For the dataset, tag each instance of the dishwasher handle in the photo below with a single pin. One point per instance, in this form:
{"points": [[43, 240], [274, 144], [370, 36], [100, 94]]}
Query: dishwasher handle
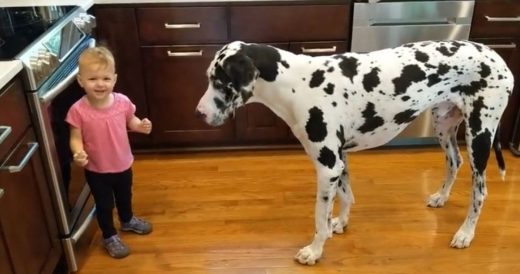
{"points": [[400, 22]]}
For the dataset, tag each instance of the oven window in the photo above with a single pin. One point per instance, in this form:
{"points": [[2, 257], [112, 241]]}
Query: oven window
{"points": [[61, 43]]}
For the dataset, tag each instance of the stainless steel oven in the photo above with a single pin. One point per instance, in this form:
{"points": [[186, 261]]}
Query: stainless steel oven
{"points": [[379, 24], [54, 37]]}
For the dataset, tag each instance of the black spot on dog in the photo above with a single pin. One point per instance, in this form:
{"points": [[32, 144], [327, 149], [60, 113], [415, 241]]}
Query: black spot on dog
{"points": [[334, 104], [327, 157], [331, 69], [316, 127], [348, 66], [372, 121], [421, 56], [405, 116], [481, 146], [470, 89], [371, 80], [340, 133], [475, 121], [317, 78], [443, 69], [410, 74], [405, 98], [447, 52], [433, 79], [219, 104], [329, 89], [485, 71], [285, 64]]}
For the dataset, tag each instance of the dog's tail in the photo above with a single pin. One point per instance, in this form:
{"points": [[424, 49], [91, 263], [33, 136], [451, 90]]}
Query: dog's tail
{"points": [[498, 154]]}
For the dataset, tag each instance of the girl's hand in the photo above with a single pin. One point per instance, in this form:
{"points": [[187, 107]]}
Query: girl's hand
{"points": [[81, 158], [145, 126]]}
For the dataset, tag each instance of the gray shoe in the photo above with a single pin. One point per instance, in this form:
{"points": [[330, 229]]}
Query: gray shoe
{"points": [[137, 225], [115, 247]]}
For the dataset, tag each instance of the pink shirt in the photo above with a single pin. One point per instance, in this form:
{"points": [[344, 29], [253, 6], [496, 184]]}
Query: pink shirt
{"points": [[104, 132]]}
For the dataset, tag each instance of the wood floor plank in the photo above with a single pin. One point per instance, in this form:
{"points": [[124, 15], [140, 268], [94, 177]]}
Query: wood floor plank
{"points": [[250, 211]]}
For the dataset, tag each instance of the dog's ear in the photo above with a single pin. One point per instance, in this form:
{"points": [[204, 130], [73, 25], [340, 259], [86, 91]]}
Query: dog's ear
{"points": [[240, 69]]}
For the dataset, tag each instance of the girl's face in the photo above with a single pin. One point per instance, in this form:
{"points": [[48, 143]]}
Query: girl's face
{"points": [[98, 81]]}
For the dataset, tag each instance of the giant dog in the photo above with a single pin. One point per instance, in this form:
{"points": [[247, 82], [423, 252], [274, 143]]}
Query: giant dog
{"points": [[351, 102]]}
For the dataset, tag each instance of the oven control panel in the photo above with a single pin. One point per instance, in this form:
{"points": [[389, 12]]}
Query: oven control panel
{"points": [[46, 54]]}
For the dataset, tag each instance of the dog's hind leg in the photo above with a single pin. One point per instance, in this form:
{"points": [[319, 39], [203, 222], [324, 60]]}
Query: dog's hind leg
{"points": [[446, 120], [329, 167], [481, 125], [346, 199]]}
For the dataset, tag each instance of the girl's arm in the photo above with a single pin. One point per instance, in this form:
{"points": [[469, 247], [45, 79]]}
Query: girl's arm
{"points": [[138, 125], [76, 146]]}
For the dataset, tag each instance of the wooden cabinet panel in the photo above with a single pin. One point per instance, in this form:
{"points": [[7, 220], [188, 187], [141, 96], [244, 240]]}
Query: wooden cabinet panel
{"points": [[15, 114], [289, 23], [117, 29], [5, 264], [182, 25], [176, 79], [496, 19], [30, 232]]}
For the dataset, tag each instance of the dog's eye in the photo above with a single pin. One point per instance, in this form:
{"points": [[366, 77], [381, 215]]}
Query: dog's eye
{"points": [[218, 85]]}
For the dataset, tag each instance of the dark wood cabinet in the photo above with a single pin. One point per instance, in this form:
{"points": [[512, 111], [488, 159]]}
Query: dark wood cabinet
{"points": [[175, 81], [170, 47], [5, 264], [30, 242], [117, 29], [496, 24]]}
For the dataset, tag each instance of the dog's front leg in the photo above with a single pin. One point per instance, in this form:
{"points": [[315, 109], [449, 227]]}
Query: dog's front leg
{"points": [[327, 179]]}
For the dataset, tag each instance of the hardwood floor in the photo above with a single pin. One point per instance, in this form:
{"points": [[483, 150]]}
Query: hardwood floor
{"points": [[250, 212]]}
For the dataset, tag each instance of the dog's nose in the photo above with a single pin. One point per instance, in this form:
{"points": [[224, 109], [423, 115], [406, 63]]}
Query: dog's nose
{"points": [[199, 114]]}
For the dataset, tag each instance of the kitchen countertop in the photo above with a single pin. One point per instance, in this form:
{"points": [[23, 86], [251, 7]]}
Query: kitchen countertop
{"points": [[8, 70]]}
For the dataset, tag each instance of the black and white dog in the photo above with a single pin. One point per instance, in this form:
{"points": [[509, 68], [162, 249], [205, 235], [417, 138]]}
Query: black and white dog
{"points": [[351, 102]]}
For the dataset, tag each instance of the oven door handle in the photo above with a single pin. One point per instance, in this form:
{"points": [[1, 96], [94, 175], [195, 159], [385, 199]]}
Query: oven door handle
{"points": [[48, 96], [23, 162]]}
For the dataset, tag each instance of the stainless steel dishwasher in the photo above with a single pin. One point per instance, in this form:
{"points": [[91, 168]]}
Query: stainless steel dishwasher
{"points": [[379, 24]]}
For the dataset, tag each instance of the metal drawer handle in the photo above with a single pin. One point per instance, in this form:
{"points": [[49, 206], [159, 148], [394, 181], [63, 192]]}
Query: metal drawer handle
{"points": [[4, 132], [502, 46], [319, 50], [23, 162], [502, 19], [184, 54], [1, 192], [182, 26]]}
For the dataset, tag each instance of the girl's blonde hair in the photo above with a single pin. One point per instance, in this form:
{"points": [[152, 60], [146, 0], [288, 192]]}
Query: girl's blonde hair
{"points": [[97, 55]]}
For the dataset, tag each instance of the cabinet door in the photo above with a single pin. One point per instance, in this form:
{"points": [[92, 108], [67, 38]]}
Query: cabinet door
{"points": [[117, 28], [26, 214], [510, 52], [5, 263], [175, 81]]}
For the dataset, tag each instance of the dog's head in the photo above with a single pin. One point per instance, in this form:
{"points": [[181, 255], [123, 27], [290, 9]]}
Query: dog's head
{"points": [[231, 75]]}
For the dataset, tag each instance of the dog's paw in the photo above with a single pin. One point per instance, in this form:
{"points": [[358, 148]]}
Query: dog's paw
{"points": [[308, 256], [338, 226], [437, 200], [462, 239]]}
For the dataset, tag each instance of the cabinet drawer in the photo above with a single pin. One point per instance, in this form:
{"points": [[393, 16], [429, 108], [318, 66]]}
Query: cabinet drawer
{"points": [[289, 23], [492, 19], [14, 116], [182, 25]]}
